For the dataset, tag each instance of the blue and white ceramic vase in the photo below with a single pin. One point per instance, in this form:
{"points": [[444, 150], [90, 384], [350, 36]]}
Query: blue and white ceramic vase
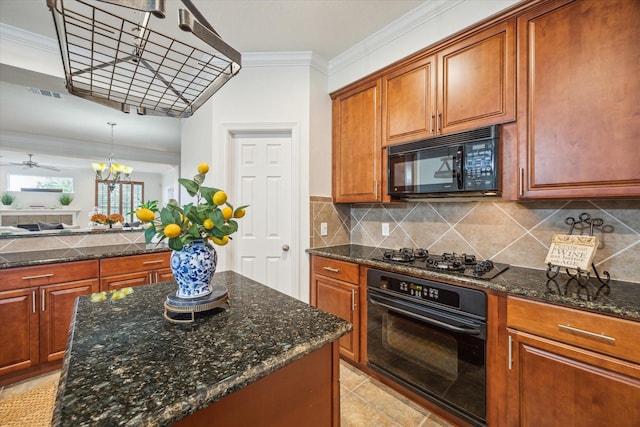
{"points": [[193, 269]]}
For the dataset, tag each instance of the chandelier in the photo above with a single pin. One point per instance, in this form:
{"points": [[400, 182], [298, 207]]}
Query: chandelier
{"points": [[116, 172]]}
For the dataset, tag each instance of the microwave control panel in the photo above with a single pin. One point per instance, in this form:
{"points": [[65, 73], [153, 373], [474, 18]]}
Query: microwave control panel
{"points": [[480, 166]]}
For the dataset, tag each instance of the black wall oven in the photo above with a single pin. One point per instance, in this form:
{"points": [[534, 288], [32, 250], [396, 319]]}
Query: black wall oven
{"points": [[431, 338]]}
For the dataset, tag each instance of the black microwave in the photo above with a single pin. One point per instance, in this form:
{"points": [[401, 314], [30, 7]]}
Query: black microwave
{"points": [[458, 164]]}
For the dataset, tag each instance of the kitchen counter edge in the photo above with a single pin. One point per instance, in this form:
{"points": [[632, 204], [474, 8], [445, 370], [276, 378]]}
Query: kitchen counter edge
{"points": [[623, 301]]}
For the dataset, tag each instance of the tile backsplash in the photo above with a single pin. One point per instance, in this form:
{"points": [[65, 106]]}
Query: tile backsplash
{"points": [[516, 233]]}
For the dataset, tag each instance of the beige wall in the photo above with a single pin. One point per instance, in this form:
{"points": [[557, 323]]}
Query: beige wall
{"points": [[509, 232]]}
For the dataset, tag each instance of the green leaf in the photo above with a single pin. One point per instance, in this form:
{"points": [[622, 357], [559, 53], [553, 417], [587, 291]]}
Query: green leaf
{"points": [[167, 216], [176, 244], [149, 234], [189, 185], [199, 178], [207, 194]]}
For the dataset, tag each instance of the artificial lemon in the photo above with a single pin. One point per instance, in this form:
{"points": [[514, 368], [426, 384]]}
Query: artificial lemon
{"points": [[227, 213], [208, 224], [127, 291], [239, 213], [220, 242], [145, 215], [203, 168], [172, 231], [117, 294], [220, 198], [98, 297]]}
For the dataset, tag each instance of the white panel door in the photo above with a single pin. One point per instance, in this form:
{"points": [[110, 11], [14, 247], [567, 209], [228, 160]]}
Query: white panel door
{"points": [[263, 181]]}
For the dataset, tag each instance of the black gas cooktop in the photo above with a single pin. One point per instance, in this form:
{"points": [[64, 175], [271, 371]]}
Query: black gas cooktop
{"points": [[451, 262]]}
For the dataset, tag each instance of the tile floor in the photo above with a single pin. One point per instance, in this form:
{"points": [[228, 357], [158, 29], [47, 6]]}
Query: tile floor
{"points": [[364, 401]]}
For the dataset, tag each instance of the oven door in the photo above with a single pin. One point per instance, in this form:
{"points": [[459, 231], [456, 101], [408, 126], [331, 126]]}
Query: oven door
{"points": [[435, 353]]}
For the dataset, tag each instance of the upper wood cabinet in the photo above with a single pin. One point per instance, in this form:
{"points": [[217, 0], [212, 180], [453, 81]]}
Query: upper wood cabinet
{"points": [[408, 107], [468, 84], [356, 147], [578, 100]]}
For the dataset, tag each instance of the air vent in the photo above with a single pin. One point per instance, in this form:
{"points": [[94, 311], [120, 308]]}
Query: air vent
{"points": [[45, 92]]}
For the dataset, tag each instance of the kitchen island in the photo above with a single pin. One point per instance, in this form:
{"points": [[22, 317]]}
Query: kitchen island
{"points": [[267, 360]]}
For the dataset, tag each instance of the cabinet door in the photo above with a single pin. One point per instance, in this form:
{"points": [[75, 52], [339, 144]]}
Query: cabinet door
{"points": [[553, 384], [357, 150], [341, 299], [19, 332], [476, 80], [408, 105], [578, 92], [126, 280], [56, 307], [163, 275]]}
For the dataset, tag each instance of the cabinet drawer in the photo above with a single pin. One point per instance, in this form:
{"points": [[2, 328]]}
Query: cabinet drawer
{"points": [[48, 274], [342, 270], [608, 335], [134, 263]]}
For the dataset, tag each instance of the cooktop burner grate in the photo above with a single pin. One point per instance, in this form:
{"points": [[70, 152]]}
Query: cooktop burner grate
{"points": [[450, 262]]}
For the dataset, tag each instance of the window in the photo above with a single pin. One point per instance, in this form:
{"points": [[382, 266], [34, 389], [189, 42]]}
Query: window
{"points": [[40, 183], [125, 197]]}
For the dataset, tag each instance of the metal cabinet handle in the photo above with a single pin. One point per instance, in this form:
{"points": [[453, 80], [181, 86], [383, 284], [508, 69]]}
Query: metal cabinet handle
{"points": [[353, 300], [510, 356], [42, 299], [587, 334], [39, 276], [155, 261], [439, 124], [433, 118], [33, 301], [331, 269], [521, 181]]}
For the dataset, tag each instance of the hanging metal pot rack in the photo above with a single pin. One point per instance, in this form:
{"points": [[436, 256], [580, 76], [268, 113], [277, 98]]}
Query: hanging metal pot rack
{"points": [[112, 56]]}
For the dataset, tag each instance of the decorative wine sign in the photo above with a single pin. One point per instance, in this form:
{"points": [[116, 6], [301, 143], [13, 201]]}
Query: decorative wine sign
{"points": [[572, 251]]}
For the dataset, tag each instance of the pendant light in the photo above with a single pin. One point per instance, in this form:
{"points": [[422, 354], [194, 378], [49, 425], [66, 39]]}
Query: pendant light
{"points": [[115, 172]]}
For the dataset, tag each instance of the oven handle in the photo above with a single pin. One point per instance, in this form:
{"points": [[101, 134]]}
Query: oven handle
{"points": [[466, 331]]}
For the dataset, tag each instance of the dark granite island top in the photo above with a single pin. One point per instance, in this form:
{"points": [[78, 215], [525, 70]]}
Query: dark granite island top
{"points": [[126, 365]]}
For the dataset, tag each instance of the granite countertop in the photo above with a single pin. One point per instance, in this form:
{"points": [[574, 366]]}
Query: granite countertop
{"points": [[27, 258], [623, 299], [127, 365]]}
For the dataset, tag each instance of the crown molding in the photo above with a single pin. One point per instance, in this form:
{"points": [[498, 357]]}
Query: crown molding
{"points": [[421, 15], [309, 59], [285, 59]]}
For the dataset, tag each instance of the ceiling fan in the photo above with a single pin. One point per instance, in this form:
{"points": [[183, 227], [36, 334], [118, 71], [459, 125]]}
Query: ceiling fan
{"points": [[31, 164]]}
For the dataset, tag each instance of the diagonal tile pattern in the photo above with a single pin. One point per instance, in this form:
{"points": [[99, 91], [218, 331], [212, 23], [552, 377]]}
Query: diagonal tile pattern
{"points": [[366, 402], [517, 233]]}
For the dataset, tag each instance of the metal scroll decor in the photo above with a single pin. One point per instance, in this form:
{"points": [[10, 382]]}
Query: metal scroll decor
{"points": [[581, 235]]}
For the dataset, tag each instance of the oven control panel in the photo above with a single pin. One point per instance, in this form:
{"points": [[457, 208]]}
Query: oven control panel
{"points": [[429, 292], [422, 291]]}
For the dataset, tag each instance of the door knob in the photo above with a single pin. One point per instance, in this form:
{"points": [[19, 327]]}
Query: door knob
{"points": [[285, 247]]}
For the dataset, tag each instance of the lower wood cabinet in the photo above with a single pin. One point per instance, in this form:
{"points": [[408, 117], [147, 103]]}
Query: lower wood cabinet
{"points": [[571, 368], [335, 288], [36, 307], [135, 270]]}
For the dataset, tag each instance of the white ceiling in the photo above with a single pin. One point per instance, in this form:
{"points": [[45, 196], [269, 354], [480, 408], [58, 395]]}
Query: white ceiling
{"points": [[78, 128]]}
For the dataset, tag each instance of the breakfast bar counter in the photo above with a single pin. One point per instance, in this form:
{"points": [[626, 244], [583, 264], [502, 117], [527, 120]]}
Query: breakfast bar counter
{"points": [[126, 365]]}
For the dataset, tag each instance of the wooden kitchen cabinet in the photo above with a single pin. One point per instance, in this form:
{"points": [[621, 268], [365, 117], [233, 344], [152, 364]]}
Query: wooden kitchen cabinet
{"points": [[578, 92], [135, 270], [356, 145], [36, 307], [571, 368], [466, 85], [408, 106], [335, 288], [20, 330]]}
